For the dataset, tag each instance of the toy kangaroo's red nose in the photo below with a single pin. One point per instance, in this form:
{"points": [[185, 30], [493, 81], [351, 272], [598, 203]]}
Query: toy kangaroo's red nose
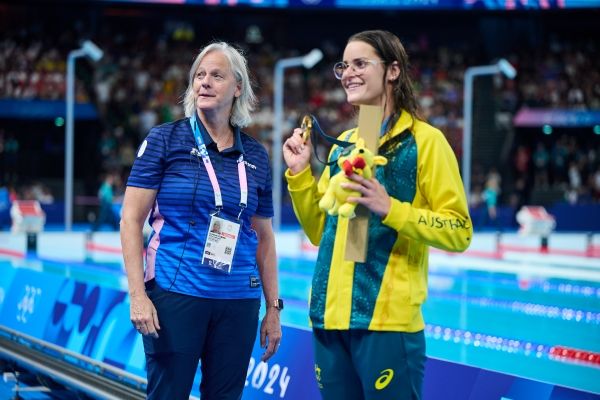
{"points": [[359, 162], [347, 167]]}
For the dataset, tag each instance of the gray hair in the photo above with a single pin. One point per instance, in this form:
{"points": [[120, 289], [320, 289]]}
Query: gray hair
{"points": [[244, 104]]}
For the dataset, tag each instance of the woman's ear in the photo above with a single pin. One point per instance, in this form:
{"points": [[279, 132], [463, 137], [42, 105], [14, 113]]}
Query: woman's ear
{"points": [[393, 71]]}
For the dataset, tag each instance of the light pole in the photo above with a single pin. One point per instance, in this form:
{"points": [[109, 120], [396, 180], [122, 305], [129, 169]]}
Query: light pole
{"points": [[509, 71], [92, 51], [501, 66], [307, 61]]}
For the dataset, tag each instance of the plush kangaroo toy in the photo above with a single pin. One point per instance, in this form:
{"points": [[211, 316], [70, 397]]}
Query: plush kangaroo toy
{"points": [[360, 161]]}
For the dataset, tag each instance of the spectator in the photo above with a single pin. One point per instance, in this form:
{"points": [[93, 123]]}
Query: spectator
{"points": [[106, 213], [490, 197], [541, 159]]}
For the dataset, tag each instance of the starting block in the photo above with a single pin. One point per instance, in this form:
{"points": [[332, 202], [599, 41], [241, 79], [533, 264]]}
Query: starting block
{"points": [[535, 220], [27, 216]]}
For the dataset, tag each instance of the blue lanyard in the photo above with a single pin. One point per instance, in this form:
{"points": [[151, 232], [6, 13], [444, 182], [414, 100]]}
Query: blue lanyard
{"points": [[384, 126]]}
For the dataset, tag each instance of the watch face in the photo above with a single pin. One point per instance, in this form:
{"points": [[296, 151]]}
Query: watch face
{"points": [[279, 304]]}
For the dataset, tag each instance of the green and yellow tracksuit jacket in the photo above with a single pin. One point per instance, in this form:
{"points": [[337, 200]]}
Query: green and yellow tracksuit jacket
{"points": [[428, 208]]}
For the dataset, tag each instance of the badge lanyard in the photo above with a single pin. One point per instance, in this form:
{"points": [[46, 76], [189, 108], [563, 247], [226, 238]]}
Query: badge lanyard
{"points": [[213, 176]]}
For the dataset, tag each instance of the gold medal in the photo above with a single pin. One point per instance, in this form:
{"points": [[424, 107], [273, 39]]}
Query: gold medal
{"points": [[306, 127]]}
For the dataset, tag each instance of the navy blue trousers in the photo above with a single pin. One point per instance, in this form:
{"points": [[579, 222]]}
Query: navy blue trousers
{"points": [[220, 333]]}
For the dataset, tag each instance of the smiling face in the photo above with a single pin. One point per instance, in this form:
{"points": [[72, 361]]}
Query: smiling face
{"points": [[366, 86], [215, 86]]}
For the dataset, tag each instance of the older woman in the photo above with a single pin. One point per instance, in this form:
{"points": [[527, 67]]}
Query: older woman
{"points": [[199, 296]]}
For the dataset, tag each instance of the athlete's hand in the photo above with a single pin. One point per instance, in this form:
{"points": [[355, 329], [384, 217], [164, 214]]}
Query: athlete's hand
{"points": [[296, 152], [143, 315], [270, 333], [374, 196]]}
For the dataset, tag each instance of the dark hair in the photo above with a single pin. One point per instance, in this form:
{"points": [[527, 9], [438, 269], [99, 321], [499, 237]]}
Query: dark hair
{"points": [[389, 48]]}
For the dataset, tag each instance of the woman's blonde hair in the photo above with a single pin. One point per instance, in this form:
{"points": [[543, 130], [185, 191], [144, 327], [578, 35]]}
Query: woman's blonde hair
{"points": [[242, 105]]}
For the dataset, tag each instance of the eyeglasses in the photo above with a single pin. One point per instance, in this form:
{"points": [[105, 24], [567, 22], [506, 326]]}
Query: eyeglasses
{"points": [[358, 65]]}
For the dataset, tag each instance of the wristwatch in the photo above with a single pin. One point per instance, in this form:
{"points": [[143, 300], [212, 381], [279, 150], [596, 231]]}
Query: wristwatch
{"points": [[277, 304]]}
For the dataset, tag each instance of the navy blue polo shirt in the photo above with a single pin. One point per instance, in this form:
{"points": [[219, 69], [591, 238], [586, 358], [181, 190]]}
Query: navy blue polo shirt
{"points": [[184, 202]]}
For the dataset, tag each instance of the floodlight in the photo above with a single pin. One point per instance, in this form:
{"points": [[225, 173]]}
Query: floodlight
{"points": [[91, 50], [507, 69], [310, 59], [501, 66], [88, 49], [307, 61]]}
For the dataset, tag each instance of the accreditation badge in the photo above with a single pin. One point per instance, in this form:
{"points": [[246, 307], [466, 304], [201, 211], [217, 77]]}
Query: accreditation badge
{"points": [[221, 241]]}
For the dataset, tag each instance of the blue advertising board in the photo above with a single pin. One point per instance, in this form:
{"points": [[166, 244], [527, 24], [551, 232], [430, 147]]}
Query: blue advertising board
{"points": [[289, 374], [94, 321]]}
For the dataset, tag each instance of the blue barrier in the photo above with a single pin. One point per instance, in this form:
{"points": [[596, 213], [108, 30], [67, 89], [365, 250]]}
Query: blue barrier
{"points": [[94, 321], [4, 208], [570, 218], [44, 109], [578, 217]]}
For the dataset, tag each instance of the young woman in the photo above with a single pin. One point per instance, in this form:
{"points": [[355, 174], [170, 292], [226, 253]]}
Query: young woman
{"points": [[366, 317]]}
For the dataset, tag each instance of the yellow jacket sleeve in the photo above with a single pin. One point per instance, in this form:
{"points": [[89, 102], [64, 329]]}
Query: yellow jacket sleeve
{"points": [[439, 214], [305, 194]]}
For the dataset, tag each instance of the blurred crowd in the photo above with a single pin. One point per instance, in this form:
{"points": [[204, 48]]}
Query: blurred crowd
{"points": [[135, 90]]}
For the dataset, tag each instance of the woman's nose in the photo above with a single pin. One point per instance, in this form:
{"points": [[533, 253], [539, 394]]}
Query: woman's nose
{"points": [[346, 71], [350, 70]]}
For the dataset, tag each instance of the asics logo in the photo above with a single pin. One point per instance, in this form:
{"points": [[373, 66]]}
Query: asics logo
{"points": [[384, 379]]}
